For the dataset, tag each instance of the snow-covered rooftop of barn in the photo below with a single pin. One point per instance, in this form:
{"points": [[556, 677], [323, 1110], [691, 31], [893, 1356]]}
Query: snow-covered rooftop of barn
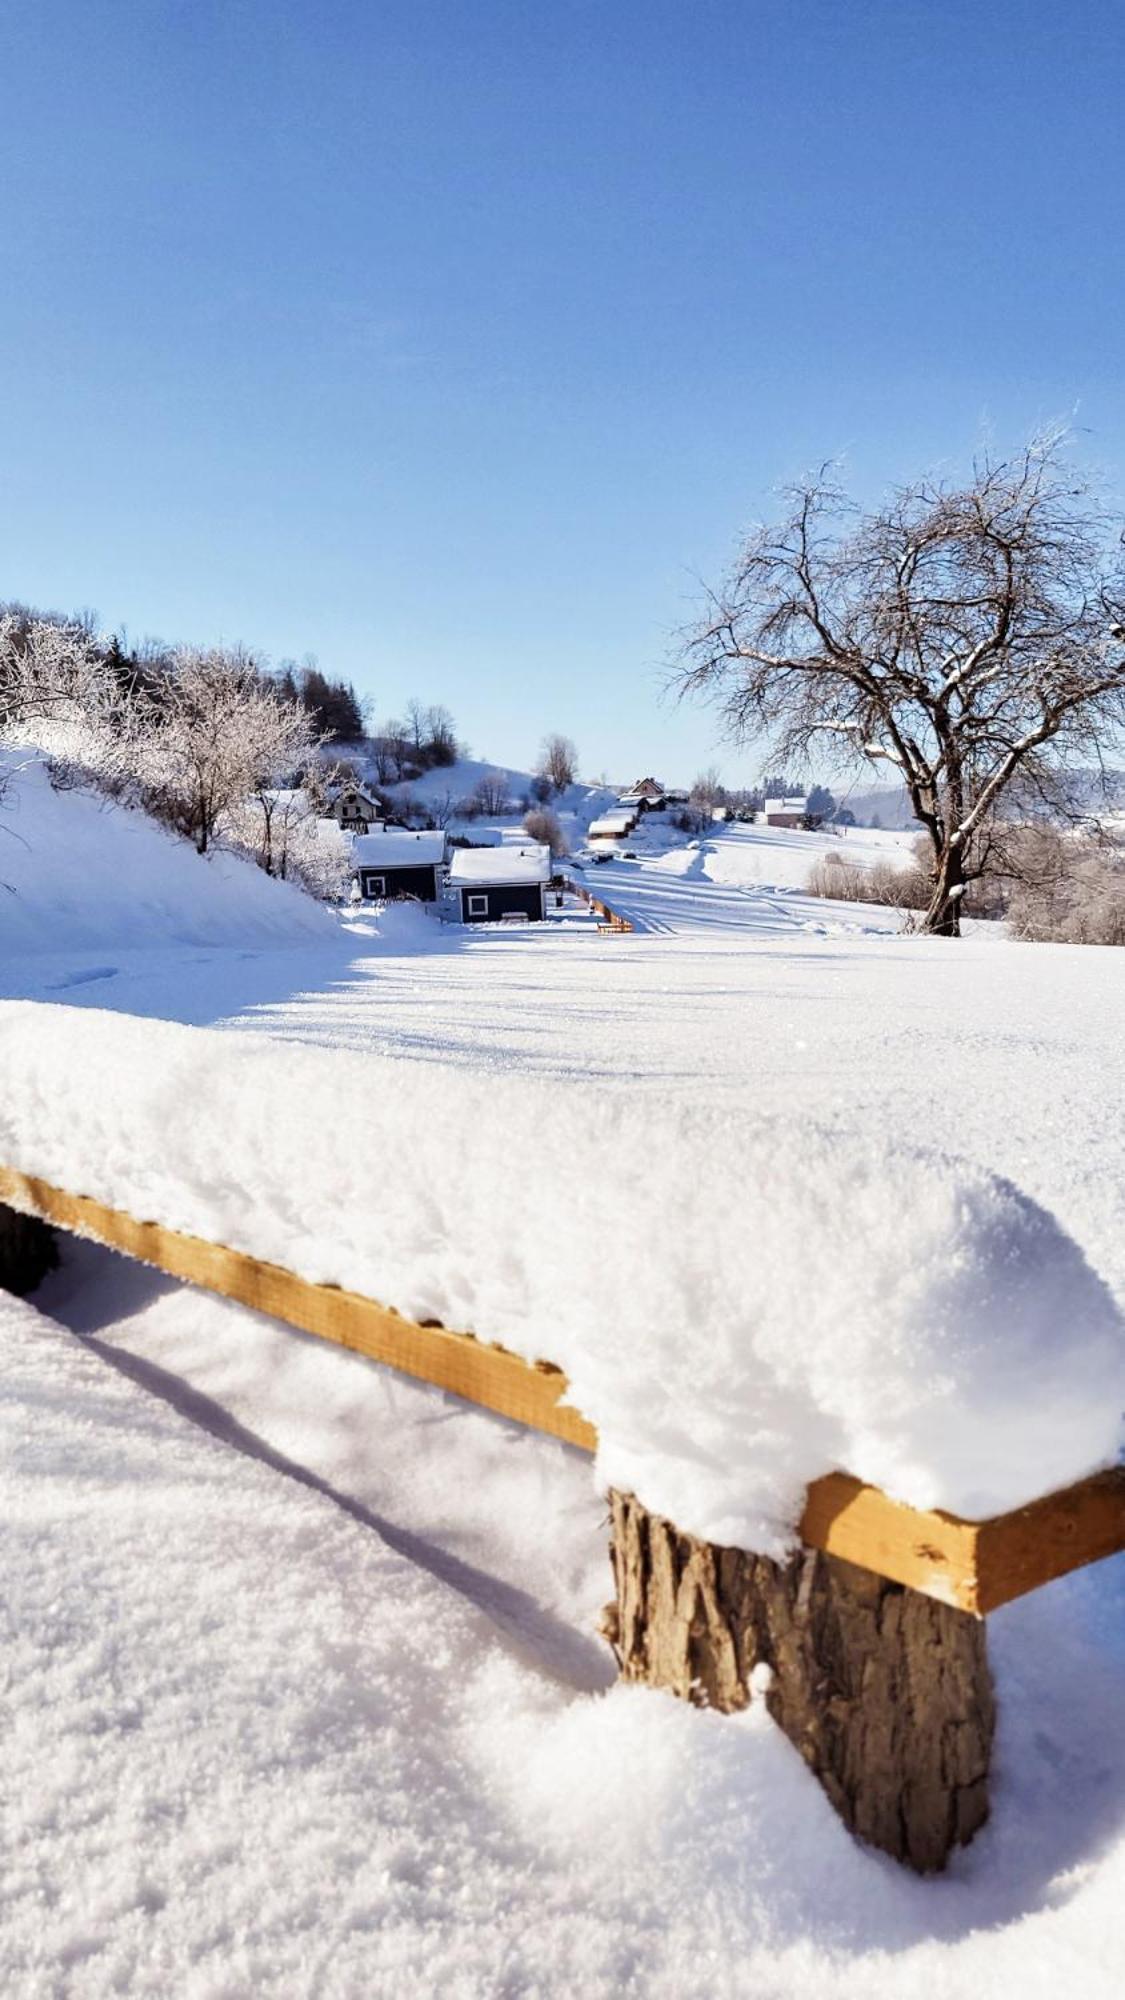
{"points": [[397, 847], [611, 824], [500, 864], [791, 805]]}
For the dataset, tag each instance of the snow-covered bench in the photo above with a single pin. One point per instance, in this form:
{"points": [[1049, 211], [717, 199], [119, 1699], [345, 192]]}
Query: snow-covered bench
{"points": [[940, 1338]]}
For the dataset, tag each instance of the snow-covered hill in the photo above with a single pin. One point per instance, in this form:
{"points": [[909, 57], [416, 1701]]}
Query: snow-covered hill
{"points": [[80, 873]]}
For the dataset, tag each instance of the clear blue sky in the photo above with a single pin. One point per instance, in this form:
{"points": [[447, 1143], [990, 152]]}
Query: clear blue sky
{"points": [[451, 340]]}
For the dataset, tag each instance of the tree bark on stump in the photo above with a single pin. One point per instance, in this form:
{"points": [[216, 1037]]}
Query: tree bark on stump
{"points": [[885, 1693], [27, 1251]]}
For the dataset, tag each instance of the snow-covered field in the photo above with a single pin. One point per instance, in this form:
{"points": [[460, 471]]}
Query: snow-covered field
{"points": [[306, 1697], [303, 1700]]}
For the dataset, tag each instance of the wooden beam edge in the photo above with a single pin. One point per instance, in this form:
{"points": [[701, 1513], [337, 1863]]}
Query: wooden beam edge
{"points": [[974, 1565], [1051, 1537]]}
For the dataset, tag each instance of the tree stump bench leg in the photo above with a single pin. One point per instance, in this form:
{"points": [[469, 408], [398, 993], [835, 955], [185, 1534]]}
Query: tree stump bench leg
{"points": [[885, 1693], [27, 1251]]}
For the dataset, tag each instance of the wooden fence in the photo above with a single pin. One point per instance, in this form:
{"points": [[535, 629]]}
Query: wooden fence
{"points": [[611, 920], [966, 1567]]}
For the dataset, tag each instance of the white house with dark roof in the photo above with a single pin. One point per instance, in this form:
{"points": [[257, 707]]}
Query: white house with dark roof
{"points": [[489, 884], [356, 811], [392, 862]]}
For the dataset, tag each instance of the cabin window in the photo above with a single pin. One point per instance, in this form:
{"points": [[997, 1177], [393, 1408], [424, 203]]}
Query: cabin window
{"points": [[478, 906], [376, 885]]}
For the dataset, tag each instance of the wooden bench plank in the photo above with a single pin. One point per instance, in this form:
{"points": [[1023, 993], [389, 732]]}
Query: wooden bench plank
{"points": [[467, 1367], [973, 1565]]}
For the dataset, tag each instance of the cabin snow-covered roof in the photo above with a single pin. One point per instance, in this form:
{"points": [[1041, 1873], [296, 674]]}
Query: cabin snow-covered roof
{"points": [[398, 847], [791, 805], [290, 804], [344, 794], [611, 824], [500, 865]]}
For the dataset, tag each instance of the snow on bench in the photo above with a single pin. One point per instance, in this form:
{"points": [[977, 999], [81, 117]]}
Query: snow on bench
{"points": [[804, 1309]]}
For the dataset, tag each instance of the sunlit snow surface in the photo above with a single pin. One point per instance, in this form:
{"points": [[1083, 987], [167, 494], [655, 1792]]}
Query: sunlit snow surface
{"points": [[302, 1699], [352, 1737]]}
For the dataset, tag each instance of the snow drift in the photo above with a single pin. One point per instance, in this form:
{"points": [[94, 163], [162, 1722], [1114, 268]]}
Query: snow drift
{"points": [[736, 1327], [77, 871], [251, 1746]]}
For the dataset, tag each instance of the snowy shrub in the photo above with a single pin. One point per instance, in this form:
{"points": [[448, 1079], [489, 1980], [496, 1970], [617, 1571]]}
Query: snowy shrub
{"points": [[545, 827], [847, 882], [1065, 888]]}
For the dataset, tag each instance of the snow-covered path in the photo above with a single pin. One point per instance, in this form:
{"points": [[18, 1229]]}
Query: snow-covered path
{"points": [[742, 881]]}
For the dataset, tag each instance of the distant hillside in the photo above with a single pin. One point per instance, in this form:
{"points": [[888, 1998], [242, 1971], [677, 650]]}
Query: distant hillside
{"points": [[879, 805], [888, 805], [460, 781], [78, 872]]}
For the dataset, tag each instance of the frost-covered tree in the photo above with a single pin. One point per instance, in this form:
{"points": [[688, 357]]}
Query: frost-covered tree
{"points": [[220, 734], [60, 691], [968, 636], [51, 670]]}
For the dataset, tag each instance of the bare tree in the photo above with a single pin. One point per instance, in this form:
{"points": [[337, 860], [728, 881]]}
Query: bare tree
{"points": [[490, 793], [443, 807], [391, 751], [441, 736], [967, 636], [558, 762], [706, 793], [415, 726]]}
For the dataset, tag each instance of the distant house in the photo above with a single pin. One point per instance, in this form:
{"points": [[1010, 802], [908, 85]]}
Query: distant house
{"points": [[613, 825], [394, 862], [491, 883], [647, 795], [355, 811], [785, 812]]}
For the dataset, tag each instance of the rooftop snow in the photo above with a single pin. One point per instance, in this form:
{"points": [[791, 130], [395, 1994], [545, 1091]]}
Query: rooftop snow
{"points": [[506, 865], [611, 824], [397, 847]]}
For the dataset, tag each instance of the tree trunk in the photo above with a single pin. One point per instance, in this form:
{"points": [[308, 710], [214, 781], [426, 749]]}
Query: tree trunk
{"points": [[27, 1251], [885, 1693], [943, 917]]}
